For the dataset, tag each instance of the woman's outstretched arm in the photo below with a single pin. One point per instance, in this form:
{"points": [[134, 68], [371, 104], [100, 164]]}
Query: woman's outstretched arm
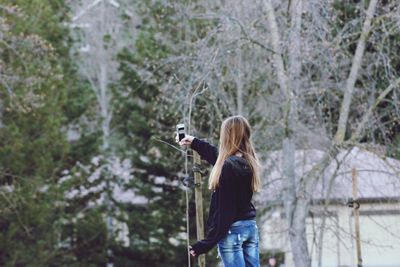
{"points": [[206, 150]]}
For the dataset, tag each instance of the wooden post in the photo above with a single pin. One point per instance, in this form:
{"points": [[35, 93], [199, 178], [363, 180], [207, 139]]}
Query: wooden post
{"points": [[199, 204], [356, 207]]}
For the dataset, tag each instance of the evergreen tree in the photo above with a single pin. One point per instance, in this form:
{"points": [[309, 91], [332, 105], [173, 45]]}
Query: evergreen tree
{"points": [[38, 102]]}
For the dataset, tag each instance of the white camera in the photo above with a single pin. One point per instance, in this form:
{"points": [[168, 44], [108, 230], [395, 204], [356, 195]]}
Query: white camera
{"points": [[180, 129]]}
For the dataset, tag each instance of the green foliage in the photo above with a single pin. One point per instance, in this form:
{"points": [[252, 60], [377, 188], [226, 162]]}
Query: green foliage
{"points": [[30, 225], [156, 222], [91, 237], [31, 143], [39, 98]]}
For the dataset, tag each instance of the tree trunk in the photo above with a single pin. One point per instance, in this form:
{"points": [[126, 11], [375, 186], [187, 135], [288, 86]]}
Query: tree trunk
{"points": [[351, 80], [300, 206], [103, 84], [297, 234]]}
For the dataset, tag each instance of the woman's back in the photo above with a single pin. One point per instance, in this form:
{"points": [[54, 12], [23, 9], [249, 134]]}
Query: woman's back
{"points": [[233, 179], [244, 193]]}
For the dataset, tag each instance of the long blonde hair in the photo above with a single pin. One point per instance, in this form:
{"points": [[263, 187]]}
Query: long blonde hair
{"points": [[235, 137]]}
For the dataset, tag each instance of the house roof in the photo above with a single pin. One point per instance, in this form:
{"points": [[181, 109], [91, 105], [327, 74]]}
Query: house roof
{"points": [[378, 177]]}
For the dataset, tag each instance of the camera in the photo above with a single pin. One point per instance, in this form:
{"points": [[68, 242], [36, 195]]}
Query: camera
{"points": [[180, 129]]}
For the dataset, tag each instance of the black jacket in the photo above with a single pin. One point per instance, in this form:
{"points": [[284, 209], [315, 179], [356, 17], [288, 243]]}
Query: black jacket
{"points": [[231, 201]]}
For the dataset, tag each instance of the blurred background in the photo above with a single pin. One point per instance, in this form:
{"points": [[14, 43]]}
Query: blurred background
{"points": [[91, 92]]}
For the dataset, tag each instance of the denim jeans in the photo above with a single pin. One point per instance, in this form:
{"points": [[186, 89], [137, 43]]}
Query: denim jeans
{"points": [[239, 248]]}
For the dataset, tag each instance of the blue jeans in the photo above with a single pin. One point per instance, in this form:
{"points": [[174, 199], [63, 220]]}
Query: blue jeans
{"points": [[239, 248]]}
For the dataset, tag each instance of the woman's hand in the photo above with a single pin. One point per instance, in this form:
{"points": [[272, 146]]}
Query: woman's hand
{"points": [[192, 251], [187, 140]]}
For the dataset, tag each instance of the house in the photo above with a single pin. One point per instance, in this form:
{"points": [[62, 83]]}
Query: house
{"points": [[331, 223]]}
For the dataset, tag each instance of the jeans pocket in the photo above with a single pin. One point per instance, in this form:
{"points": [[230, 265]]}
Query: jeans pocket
{"points": [[230, 240]]}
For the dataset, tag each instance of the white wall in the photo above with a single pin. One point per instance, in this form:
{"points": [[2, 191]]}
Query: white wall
{"points": [[380, 235]]}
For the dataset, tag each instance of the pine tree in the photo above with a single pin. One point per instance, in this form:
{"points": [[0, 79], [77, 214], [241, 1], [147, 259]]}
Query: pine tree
{"points": [[37, 105]]}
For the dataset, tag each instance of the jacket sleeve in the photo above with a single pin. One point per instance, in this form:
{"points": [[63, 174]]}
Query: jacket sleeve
{"points": [[206, 150], [226, 211]]}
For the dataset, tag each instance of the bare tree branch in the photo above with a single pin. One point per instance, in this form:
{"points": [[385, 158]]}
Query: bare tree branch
{"points": [[357, 134], [345, 108]]}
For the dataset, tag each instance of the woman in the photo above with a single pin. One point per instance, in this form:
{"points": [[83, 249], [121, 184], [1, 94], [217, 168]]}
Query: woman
{"points": [[235, 176]]}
